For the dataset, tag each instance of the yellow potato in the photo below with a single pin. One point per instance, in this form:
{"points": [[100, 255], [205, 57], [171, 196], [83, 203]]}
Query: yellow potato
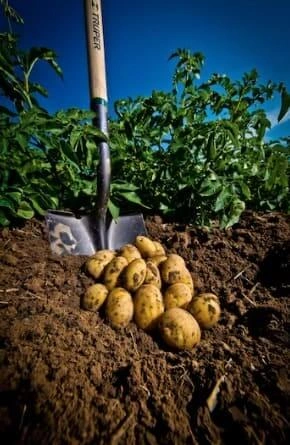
{"points": [[177, 258], [113, 271], [148, 306], [96, 264], [177, 295], [145, 246], [158, 259], [130, 252], [206, 309], [152, 274], [134, 274], [94, 297], [119, 307], [172, 269], [104, 255], [186, 278], [179, 329], [159, 248]]}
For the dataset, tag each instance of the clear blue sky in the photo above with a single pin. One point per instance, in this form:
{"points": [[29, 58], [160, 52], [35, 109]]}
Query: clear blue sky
{"points": [[234, 36]]}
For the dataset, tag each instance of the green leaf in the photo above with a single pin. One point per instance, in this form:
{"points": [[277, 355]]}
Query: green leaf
{"points": [[210, 186], [245, 190], [133, 197], [75, 137], [285, 104], [25, 210], [114, 210], [4, 221], [37, 88], [223, 199], [38, 203], [236, 209], [41, 53], [123, 186], [69, 155], [7, 203], [15, 196], [90, 152]]}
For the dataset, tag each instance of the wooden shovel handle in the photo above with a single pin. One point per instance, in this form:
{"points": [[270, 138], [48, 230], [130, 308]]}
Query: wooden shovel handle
{"points": [[96, 51]]}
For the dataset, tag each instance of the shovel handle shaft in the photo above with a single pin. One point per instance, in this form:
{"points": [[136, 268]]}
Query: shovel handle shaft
{"points": [[103, 177], [96, 50], [98, 90]]}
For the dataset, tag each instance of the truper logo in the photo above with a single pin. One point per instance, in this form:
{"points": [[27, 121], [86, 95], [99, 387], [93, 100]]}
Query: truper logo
{"points": [[96, 26]]}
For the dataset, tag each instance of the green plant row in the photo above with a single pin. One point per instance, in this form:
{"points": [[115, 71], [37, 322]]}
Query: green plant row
{"points": [[197, 151]]}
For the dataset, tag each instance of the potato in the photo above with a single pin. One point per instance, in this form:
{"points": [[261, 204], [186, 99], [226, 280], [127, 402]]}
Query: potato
{"points": [[177, 258], [177, 295], [94, 297], [179, 329], [152, 274], [145, 246], [206, 309], [159, 248], [130, 252], [134, 274], [104, 255], [119, 307], [172, 269], [148, 306], [113, 271], [96, 264], [186, 278], [158, 259]]}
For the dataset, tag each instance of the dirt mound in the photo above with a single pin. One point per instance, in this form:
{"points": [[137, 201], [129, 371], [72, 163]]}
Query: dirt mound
{"points": [[67, 377]]}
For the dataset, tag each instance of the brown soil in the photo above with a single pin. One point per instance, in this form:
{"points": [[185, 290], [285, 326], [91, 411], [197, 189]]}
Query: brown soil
{"points": [[67, 377]]}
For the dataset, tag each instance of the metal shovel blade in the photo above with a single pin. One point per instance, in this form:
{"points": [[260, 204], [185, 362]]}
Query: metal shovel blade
{"points": [[71, 235]]}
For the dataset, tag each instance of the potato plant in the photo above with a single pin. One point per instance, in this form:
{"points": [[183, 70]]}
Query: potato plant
{"points": [[198, 150], [140, 282]]}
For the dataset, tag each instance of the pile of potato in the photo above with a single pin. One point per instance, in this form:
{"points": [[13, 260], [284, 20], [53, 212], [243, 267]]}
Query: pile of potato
{"points": [[143, 283]]}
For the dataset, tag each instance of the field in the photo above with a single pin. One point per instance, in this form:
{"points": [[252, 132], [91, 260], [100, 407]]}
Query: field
{"points": [[67, 377]]}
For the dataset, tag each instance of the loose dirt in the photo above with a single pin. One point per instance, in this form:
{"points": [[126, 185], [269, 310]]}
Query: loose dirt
{"points": [[67, 377]]}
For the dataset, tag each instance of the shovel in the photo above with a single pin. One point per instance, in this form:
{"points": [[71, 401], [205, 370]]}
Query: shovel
{"points": [[68, 233]]}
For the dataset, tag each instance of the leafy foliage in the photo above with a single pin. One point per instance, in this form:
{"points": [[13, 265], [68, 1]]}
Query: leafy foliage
{"points": [[197, 152], [46, 161]]}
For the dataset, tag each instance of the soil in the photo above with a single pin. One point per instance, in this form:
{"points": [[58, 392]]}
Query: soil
{"points": [[68, 377]]}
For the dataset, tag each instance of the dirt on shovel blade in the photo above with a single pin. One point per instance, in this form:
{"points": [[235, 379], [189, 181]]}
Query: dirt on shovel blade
{"points": [[68, 377]]}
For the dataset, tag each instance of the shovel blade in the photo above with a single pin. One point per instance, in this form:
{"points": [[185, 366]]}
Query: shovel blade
{"points": [[72, 235], [124, 230]]}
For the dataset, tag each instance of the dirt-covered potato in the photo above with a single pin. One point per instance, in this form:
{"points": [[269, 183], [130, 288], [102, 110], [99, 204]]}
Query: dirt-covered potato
{"points": [[104, 255], [130, 252], [159, 248], [113, 271], [134, 274], [94, 297], [172, 269], [186, 278], [206, 309], [152, 274], [96, 264], [158, 259], [145, 246], [177, 258], [148, 306], [119, 307], [177, 295], [179, 329]]}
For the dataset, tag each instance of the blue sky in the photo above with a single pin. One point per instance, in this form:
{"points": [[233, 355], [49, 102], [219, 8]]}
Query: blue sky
{"points": [[234, 36]]}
